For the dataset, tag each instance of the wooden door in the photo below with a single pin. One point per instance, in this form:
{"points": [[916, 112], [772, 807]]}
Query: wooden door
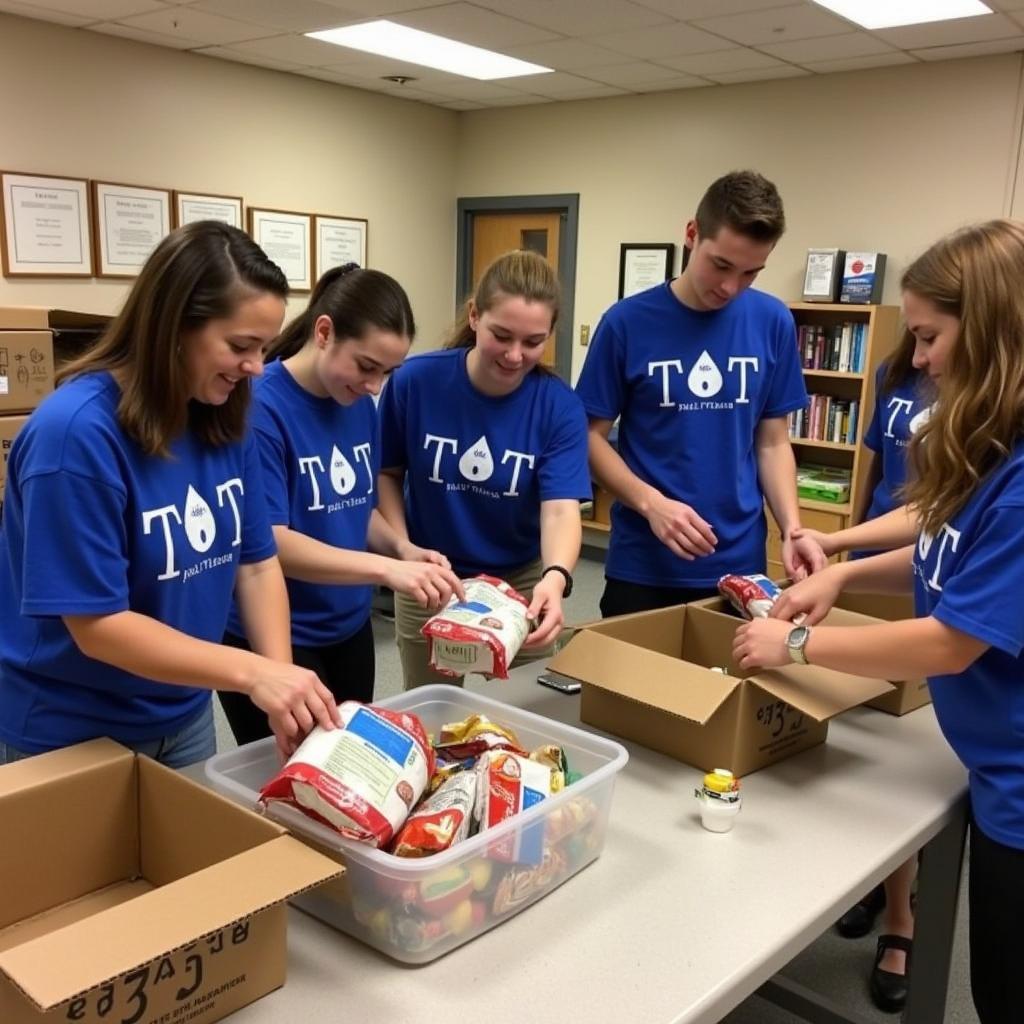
{"points": [[497, 233]]}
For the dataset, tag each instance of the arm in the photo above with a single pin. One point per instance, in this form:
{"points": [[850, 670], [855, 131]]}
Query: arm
{"points": [[674, 523], [896, 529], [776, 470], [871, 480], [391, 500], [561, 534], [889, 650]]}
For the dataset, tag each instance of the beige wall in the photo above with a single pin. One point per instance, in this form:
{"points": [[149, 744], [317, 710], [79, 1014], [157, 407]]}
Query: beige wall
{"points": [[886, 159], [85, 104]]}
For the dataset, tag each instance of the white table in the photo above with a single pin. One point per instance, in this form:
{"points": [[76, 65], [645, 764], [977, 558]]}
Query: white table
{"points": [[673, 923]]}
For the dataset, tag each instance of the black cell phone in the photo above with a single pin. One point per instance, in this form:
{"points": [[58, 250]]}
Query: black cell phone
{"points": [[564, 684]]}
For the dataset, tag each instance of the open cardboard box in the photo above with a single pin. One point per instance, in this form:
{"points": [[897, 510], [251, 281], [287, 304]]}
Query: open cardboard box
{"points": [[133, 894], [648, 677]]}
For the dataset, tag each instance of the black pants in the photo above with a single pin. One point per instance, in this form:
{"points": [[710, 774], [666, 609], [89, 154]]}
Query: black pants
{"points": [[621, 598], [996, 896], [345, 668]]}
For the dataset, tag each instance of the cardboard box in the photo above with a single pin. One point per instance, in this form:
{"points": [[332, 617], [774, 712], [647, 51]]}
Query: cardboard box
{"points": [[648, 677], [9, 427], [33, 340], [131, 893]]}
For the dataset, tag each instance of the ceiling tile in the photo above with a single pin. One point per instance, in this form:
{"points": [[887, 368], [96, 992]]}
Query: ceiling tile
{"points": [[628, 75], [521, 100], [779, 25], [679, 82], [950, 33], [95, 10], [203, 29], [141, 35], [380, 8], [849, 44], [293, 16], [462, 105], [757, 74], [738, 58], [482, 92], [1012, 44], [659, 41], [565, 15], [369, 66], [470, 24], [42, 14], [556, 84], [687, 10], [878, 60], [300, 50], [254, 59], [595, 92], [566, 54]]}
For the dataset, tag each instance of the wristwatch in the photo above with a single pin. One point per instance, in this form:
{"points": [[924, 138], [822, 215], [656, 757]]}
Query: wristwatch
{"points": [[796, 641], [565, 572]]}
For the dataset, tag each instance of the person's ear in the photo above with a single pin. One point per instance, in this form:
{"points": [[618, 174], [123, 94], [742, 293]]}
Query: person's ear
{"points": [[323, 331]]}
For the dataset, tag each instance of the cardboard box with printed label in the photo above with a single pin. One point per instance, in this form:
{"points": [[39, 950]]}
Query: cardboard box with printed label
{"points": [[648, 677], [32, 341], [131, 893]]}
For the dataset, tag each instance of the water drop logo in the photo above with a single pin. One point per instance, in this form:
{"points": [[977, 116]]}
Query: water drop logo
{"points": [[200, 526], [705, 379], [477, 463], [343, 476], [920, 420]]}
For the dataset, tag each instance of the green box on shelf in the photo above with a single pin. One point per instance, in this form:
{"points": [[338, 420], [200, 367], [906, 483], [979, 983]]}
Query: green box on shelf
{"points": [[823, 483]]}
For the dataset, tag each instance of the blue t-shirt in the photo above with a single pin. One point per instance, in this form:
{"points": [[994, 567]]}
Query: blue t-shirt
{"points": [[896, 417], [968, 576], [320, 462], [93, 526], [690, 389], [478, 467]]}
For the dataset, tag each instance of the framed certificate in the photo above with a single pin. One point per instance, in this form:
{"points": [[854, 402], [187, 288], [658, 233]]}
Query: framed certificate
{"points": [[129, 223], [821, 274], [193, 206], [339, 240], [642, 265], [45, 221], [287, 239]]}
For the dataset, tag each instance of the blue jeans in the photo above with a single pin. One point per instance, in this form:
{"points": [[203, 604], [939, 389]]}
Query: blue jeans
{"points": [[196, 741]]}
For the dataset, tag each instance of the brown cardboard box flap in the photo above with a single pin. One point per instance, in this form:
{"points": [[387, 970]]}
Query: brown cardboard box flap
{"points": [[819, 692], [47, 768], [57, 967], [646, 677], [42, 318]]}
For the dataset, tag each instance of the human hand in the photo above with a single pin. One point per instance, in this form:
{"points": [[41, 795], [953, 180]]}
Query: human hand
{"points": [[430, 583], [802, 555], [294, 700], [679, 527], [761, 644], [546, 609], [812, 597]]}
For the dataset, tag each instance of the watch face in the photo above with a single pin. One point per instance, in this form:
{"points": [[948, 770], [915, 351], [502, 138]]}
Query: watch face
{"points": [[797, 636]]}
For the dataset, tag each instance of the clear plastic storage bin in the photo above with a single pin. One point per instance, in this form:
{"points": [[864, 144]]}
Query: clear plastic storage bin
{"points": [[416, 910]]}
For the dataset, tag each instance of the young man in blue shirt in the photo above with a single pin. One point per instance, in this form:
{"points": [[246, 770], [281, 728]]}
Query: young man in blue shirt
{"points": [[701, 373]]}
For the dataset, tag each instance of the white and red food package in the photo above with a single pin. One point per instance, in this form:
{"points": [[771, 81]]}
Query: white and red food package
{"points": [[361, 779], [482, 634], [507, 784], [752, 596], [442, 820]]}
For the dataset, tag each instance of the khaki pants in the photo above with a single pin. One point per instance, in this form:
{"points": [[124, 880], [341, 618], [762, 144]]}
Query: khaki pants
{"points": [[412, 646]]}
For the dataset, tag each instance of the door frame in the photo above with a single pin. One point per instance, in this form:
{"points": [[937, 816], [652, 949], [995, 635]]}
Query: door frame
{"points": [[567, 206]]}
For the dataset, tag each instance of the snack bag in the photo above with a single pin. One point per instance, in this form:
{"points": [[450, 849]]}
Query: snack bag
{"points": [[362, 779], [442, 820], [481, 634], [752, 596], [473, 736], [510, 783]]}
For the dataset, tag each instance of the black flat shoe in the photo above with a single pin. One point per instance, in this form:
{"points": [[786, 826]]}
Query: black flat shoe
{"points": [[888, 989], [860, 918]]}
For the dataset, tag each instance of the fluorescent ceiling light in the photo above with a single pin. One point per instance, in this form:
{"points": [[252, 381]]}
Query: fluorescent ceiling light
{"points": [[389, 39], [892, 13]]}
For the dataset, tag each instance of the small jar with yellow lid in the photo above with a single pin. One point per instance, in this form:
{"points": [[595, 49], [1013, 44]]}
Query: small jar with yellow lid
{"points": [[719, 800]]}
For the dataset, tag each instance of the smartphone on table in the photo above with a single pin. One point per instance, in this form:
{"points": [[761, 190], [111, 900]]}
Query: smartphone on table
{"points": [[564, 684]]}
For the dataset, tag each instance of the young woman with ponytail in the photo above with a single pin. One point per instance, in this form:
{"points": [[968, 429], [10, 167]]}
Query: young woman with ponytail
{"points": [[485, 454], [964, 304], [318, 436]]}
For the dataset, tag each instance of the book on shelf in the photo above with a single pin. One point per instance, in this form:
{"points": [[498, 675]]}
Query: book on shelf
{"points": [[839, 347], [823, 483], [826, 418]]}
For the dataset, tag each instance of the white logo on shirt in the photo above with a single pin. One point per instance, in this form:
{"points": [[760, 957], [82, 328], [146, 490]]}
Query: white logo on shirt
{"points": [[920, 419], [897, 405], [198, 521], [476, 464], [949, 537], [704, 380], [341, 473]]}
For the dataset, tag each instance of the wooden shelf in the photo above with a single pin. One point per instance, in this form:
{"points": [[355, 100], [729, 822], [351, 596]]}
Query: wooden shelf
{"points": [[834, 374], [839, 508], [590, 524], [834, 445], [831, 307]]}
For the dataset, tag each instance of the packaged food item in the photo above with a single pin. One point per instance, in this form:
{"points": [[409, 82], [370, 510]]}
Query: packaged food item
{"points": [[361, 779], [441, 820], [720, 800], [482, 634], [509, 783], [523, 884], [554, 757], [752, 596], [473, 736]]}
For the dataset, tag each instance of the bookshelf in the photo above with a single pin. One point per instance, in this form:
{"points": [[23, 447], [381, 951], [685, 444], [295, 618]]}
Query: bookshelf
{"points": [[873, 332]]}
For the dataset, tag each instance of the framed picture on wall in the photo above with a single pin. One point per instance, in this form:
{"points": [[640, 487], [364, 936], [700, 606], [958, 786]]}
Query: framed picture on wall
{"points": [[129, 221], [339, 240], [642, 265], [287, 238], [193, 206], [45, 226]]}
